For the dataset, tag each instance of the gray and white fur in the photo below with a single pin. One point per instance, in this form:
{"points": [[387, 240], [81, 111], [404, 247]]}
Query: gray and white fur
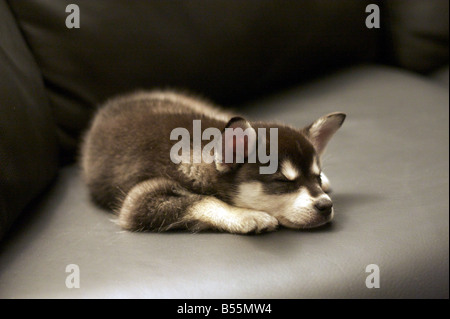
{"points": [[127, 168]]}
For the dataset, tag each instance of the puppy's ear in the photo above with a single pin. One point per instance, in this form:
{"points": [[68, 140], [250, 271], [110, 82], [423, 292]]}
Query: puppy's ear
{"points": [[238, 142], [321, 131]]}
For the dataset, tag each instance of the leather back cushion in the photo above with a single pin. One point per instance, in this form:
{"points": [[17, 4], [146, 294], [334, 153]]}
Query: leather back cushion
{"points": [[419, 33], [226, 50], [28, 147]]}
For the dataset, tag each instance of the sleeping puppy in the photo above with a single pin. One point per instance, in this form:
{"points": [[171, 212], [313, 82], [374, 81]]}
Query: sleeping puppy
{"points": [[146, 157]]}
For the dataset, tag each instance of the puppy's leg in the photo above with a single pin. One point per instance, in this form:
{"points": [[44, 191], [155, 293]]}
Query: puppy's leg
{"points": [[210, 212], [162, 204]]}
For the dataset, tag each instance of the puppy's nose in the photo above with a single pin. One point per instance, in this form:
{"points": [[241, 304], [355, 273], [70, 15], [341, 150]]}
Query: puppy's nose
{"points": [[324, 206]]}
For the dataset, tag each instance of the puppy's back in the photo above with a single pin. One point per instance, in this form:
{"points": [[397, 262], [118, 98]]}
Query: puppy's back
{"points": [[129, 140]]}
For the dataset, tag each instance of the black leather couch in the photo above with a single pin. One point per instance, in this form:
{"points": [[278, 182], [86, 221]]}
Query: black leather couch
{"points": [[292, 61]]}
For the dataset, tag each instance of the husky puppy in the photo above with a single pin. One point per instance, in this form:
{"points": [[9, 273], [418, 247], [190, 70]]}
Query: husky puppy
{"points": [[125, 157]]}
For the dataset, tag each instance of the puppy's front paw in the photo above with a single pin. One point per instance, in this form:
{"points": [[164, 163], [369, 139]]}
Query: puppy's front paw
{"points": [[212, 213], [256, 222]]}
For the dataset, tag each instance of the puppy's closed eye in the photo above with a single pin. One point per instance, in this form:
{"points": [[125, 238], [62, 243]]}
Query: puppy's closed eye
{"points": [[282, 180]]}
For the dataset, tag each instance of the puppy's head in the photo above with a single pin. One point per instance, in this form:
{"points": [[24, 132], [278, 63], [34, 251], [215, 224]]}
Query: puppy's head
{"points": [[296, 193]]}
